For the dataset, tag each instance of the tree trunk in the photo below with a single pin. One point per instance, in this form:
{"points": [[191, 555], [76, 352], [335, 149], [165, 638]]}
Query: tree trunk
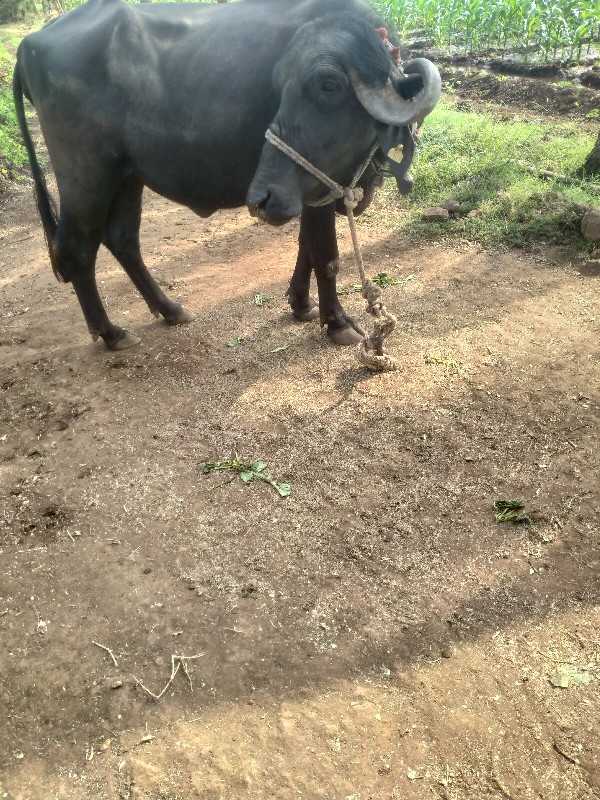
{"points": [[591, 166]]}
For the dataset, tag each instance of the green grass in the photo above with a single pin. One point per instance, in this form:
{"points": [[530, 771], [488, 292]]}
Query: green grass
{"points": [[482, 162], [13, 157]]}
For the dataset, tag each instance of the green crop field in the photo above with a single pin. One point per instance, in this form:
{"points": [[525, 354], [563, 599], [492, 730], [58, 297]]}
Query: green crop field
{"points": [[544, 30]]}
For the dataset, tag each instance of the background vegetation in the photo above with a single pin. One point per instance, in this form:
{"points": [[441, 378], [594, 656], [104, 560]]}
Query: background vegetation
{"points": [[491, 166], [540, 29], [479, 159]]}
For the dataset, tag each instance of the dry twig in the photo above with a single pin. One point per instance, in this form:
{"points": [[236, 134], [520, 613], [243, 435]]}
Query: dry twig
{"points": [[561, 752], [176, 663], [108, 650]]}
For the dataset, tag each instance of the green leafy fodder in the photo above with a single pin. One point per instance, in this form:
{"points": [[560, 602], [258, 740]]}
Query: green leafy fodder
{"points": [[247, 472]]}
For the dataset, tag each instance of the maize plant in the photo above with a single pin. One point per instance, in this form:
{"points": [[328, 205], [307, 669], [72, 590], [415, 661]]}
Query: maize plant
{"points": [[538, 30]]}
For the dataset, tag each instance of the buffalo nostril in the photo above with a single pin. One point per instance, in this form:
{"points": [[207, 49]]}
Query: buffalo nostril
{"points": [[257, 201]]}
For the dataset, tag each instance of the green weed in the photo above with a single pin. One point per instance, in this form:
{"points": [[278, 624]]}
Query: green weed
{"points": [[247, 471], [381, 279], [512, 511], [261, 299]]}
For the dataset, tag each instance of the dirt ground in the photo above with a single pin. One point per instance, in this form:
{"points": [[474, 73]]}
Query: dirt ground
{"points": [[377, 634], [549, 90]]}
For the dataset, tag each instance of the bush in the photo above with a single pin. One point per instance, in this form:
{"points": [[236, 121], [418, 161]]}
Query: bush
{"points": [[13, 157], [11, 10]]}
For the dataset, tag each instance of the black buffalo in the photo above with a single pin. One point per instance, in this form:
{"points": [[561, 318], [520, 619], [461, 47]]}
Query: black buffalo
{"points": [[178, 97]]}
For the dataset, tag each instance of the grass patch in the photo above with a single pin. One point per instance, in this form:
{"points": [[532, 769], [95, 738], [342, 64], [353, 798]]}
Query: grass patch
{"points": [[13, 158], [483, 162]]}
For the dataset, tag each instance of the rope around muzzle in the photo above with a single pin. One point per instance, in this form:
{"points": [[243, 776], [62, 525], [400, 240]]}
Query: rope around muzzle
{"points": [[370, 351]]}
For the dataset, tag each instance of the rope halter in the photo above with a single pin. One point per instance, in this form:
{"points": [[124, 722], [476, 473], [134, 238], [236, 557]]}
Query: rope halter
{"points": [[370, 350]]}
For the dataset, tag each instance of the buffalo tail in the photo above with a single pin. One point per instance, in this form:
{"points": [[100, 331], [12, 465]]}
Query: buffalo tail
{"points": [[45, 203]]}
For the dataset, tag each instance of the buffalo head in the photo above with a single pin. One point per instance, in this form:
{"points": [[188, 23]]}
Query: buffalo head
{"points": [[341, 94]]}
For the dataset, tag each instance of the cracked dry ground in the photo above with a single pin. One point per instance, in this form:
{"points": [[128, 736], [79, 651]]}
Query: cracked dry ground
{"points": [[375, 635]]}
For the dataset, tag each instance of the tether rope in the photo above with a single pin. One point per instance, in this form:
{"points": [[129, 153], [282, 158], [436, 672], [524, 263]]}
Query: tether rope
{"points": [[370, 350]]}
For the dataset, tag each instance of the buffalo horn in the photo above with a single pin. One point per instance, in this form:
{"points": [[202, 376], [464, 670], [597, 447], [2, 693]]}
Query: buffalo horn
{"points": [[387, 104]]}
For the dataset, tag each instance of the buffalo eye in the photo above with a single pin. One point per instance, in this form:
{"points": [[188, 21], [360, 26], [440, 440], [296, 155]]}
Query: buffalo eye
{"points": [[329, 86]]}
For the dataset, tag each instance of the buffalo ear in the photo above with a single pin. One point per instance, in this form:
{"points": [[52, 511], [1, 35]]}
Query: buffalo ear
{"points": [[388, 136], [409, 86], [393, 136]]}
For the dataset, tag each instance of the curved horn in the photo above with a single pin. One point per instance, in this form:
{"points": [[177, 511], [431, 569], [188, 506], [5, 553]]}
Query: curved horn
{"points": [[387, 104]]}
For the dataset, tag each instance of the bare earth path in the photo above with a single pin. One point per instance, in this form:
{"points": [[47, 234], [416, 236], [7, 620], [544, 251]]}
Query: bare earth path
{"points": [[375, 635]]}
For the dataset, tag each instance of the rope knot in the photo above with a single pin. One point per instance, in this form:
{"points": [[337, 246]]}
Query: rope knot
{"points": [[372, 294], [352, 196]]}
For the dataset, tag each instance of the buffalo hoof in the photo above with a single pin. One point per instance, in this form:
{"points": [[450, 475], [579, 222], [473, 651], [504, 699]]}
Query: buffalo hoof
{"points": [[179, 316], [125, 341], [309, 315], [345, 336]]}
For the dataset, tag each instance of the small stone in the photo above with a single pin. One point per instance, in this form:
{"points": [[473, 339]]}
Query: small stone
{"points": [[146, 570], [192, 586], [116, 684], [436, 214], [159, 661], [473, 213], [590, 225], [453, 206], [446, 652]]}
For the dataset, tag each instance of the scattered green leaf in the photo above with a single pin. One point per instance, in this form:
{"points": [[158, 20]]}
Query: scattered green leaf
{"points": [[511, 511], [381, 279], [449, 364], [354, 288], [247, 472], [235, 342], [261, 299], [568, 675]]}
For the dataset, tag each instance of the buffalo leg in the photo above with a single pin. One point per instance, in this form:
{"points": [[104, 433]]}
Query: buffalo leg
{"points": [[122, 237], [317, 238], [76, 245], [303, 306]]}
